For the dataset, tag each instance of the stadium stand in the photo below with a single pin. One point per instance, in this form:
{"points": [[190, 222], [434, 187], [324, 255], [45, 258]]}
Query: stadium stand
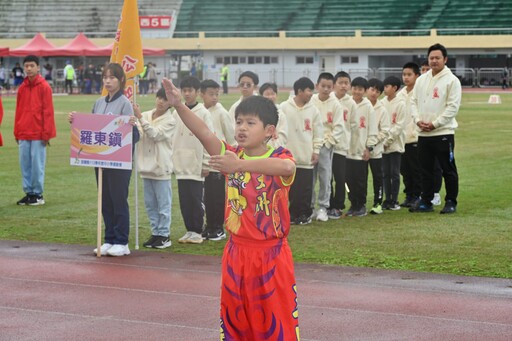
{"points": [[322, 18], [223, 18], [24, 18]]}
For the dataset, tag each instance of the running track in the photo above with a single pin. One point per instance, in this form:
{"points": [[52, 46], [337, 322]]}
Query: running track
{"points": [[63, 292]]}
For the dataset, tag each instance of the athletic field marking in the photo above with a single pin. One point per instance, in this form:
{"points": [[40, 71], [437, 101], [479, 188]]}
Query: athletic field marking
{"points": [[109, 318], [95, 286], [409, 315]]}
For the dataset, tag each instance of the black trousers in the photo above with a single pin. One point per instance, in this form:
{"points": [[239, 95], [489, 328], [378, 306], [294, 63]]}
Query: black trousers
{"points": [[357, 181], [411, 171], [114, 204], [339, 171], [214, 200], [377, 176], [440, 148], [225, 86], [69, 84], [391, 170], [438, 177], [301, 193], [190, 193]]}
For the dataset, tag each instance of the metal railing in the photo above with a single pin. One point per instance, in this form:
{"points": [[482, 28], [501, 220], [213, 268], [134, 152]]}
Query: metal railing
{"points": [[290, 34]]}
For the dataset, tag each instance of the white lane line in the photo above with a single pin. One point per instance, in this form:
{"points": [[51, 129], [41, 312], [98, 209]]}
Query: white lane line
{"points": [[435, 318], [107, 318], [96, 286]]}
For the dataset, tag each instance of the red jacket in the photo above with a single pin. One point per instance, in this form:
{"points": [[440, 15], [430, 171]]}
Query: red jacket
{"points": [[34, 111]]}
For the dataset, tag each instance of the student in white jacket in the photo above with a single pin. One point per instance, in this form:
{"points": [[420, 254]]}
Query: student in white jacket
{"points": [[191, 164], [339, 159], [394, 145], [375, 89], [305, 138], [363, 138], [215, 182], [154, 163], [332, 120], [435, 104], [410, 164]]}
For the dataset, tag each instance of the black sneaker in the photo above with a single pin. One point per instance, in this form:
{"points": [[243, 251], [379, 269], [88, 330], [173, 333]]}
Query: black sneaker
{"points": [[150, 241], [304, 220], [421, 207], [23, 201], [386, 205], [409, 201], [217, 235], [161, 242], [205, 234], [449, 207], [35, 200]]}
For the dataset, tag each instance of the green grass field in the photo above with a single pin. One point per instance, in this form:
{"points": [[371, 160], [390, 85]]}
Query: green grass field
{"points": [[477, 240]]}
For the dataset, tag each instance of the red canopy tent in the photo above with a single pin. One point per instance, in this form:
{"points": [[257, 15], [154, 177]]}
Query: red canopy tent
{"points": [[79, 46], [38, 46], [4, 51]]}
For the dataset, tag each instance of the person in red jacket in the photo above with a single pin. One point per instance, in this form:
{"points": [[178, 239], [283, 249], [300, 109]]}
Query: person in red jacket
{"points": [[34, 126]]}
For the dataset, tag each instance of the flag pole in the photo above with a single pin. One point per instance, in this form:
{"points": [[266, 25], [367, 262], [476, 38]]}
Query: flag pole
{"points": [[100, 194], [135, 87], [127, 51]]}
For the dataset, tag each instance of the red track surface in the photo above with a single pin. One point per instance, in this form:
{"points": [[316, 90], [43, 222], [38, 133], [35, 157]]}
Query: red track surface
{"points": [[63, 292]]}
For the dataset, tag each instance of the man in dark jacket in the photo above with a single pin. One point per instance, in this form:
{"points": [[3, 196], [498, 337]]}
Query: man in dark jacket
{"points": [[34, 126]]}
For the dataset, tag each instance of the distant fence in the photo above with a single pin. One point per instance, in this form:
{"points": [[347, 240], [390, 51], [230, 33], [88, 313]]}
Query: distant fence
{"points": [[469, 78], [285, 77]]}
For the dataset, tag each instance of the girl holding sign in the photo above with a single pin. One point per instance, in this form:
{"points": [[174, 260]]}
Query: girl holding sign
{"points": [[114, 208]]}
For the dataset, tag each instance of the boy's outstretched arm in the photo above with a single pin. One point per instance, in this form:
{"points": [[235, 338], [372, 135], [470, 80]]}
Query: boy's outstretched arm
{"points": [[230, 163], [207, 138]]}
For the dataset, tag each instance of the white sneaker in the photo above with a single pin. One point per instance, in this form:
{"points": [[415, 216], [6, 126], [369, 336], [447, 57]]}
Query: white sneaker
{"points": [[103, 249], [118, 250], [321, 214], [437, 199], [195, 238], [184, 239]]}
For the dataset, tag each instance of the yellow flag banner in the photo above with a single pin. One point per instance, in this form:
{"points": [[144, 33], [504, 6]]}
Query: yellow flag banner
{"points": [[127, 49]]}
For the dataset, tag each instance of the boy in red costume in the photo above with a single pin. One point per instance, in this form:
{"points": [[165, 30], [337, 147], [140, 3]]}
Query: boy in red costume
{"points": [[258, 297]]}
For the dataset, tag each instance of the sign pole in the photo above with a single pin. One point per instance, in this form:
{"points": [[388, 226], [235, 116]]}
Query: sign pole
{"points": [[100, 194]]}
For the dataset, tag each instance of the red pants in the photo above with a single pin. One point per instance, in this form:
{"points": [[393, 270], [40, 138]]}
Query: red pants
{"points": [[258, 295]]}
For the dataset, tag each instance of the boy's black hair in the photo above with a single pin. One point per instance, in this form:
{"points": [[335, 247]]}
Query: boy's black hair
{"points": [[376, 84], [325, 75], [259, 106], [190, 82], [251, 75], [209, 83], [424, 63], [341, 74], [266, 86], [161, 94], [31, 58], [438, 47], [360, 81], [413, 66], [393, 81], [303, 83]]}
